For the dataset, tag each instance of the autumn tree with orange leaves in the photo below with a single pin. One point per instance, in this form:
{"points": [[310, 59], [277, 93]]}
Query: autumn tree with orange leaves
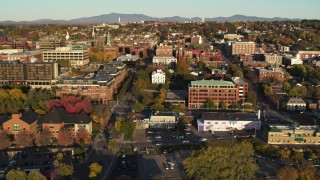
{"points": [[44, 138], [65, 137], [83, 136]]}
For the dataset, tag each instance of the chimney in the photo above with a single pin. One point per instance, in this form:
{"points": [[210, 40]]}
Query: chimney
{"points": [[16, 116]]}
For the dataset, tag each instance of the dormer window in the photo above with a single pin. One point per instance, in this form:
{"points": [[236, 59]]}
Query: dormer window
{"points": [[16, 127]]}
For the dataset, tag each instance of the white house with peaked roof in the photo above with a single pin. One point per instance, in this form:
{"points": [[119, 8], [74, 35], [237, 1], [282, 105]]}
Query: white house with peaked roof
{"points": [[296, 104], [158, 77]]}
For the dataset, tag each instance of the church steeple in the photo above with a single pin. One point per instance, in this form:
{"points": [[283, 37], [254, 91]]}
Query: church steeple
{"points": [[108, 39], [93, 34]]}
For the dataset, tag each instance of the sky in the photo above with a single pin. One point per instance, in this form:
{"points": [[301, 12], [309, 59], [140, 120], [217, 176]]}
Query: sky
{"points": [[26, 10]]}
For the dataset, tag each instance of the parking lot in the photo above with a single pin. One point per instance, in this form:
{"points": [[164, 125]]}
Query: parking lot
{"points": [[162, 166], [125, 166]]}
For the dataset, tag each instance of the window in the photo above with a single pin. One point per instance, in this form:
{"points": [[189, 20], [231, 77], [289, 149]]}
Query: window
{"points": [[16, 127]]}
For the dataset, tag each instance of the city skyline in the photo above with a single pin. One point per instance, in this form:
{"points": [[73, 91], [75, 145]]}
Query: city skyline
{"points": [[71, 9]]}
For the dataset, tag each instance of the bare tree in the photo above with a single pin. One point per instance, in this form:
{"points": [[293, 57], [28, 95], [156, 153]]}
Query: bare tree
{"points": [[44, 138], [23, 139], [4, 140]]}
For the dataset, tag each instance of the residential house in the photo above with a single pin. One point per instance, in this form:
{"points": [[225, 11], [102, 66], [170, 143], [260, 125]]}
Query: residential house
{"points": [[26, 121], [296, 104], [158, 77], [58, 118]]}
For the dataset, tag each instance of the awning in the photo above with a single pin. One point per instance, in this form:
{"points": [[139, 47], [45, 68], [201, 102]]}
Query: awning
{"points": [[299, 139]]}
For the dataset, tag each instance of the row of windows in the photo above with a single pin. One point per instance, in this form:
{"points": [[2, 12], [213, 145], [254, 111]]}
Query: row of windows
{"points": [[211, 94], [210, 90], [288, 140]]}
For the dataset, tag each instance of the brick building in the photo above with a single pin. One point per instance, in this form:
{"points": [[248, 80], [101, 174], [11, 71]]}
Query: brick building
{"points": [[238, 48], [307, 54], [140, 50], [246, 57], [265, 75], [36, 75], [26, 121], [22, 56], [164, 51], [199, 92], [111, 52], [99, 86], [243, 87], [57, 118]]}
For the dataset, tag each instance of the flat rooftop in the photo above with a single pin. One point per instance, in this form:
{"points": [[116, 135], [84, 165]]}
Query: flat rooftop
{"points": [[229, 116]]}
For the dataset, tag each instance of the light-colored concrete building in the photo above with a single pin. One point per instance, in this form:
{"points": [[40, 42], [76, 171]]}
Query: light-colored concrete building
{"points": [[232, 36], [128, 58], [284, 48], [228, 121], [284, 134], [273, 59], [158, 77], [76, 58], [239, 48], [161, 119], [161, 60]]}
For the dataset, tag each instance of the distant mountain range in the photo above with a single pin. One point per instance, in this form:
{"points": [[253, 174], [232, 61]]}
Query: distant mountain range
{"points": [[125, 18]]}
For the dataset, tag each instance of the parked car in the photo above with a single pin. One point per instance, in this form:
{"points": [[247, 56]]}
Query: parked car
{"points": [[12, 163], [158, 137], [185, 141], [203, 139]]}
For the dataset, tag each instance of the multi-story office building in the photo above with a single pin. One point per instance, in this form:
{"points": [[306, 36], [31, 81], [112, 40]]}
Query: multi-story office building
{"points": [[158, 77], [76, 58], [242, 85], [36, 75], [99, 86], [49, 44], [200, 92], [12, 71], [239, 48]]}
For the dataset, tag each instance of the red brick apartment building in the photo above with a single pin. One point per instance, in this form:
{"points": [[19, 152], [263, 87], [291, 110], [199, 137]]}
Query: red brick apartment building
{"points": [[265, 75], [99, 87], [239, 48], [308, 54], [164, 51], [219, 91]]}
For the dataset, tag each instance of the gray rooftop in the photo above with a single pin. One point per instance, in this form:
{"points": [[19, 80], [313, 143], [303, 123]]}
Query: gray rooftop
{"points": [[229, 116], [206, 83]]}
